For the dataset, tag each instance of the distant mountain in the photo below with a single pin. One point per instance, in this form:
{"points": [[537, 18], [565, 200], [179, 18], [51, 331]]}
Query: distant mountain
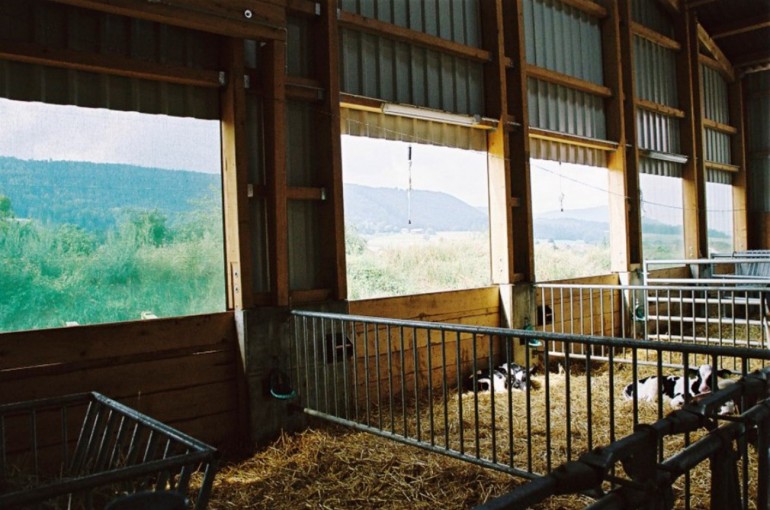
{"points": [[590, 225], [378, 210], [94, 195]]}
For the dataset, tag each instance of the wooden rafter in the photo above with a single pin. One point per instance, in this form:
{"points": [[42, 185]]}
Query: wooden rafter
{"points": [[742, 26], [708, 43], [371, 25]]}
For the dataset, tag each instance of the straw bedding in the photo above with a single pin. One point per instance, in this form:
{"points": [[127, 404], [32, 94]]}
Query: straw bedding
{"points": [[336, 468]]}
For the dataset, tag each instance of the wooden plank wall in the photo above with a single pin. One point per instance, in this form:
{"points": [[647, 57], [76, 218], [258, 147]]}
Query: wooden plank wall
{"points": [[182, 371], [478, 307]]}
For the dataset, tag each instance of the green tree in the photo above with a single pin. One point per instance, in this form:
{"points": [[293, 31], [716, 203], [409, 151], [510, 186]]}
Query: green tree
{"points": [[6, 211]]}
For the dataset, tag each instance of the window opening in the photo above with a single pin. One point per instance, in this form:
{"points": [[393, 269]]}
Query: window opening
{"points": [[662, 217], [570, 210], [416, 218], [107, 216], [719, 217]]}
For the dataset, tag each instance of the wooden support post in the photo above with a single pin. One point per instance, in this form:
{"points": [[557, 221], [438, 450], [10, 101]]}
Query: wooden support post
{"points": [[623, 163], [333, 222], [498, 157], [740, 188], [274, 53], [235, 179], [694, 171], [523, 249]]}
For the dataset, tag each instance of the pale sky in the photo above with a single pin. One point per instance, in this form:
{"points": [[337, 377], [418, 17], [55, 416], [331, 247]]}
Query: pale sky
{"points": [[385, 164], [41, 131]]}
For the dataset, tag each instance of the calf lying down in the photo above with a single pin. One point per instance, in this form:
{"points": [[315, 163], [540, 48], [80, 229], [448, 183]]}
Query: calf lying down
{"points": [[507, 375], [698, 382]]}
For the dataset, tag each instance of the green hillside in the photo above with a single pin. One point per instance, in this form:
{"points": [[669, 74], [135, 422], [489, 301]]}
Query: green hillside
{"points": [[94, 196]]}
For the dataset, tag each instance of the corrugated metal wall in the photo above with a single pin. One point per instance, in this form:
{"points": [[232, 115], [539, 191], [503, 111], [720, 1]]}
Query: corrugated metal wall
{"points": [[716, 107], [558, 108], [716, 104], [454, 20], [62, 27], [757, 86], [651, 14], [382, 68], [558, 38], [655, 81], [563, 39]]}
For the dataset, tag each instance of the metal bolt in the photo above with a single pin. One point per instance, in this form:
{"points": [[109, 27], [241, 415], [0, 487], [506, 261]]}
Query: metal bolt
{"points": [[248, 14]]}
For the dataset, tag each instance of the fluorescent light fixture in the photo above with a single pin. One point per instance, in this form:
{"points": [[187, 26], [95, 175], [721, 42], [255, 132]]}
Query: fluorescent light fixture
{"points": [[417, 112], [665, 156]]}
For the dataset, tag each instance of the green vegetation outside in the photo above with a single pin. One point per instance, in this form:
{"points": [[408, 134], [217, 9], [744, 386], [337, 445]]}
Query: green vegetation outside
{"points": [[51, 274]]}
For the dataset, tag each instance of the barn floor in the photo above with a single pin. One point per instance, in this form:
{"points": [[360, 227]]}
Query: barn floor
{"points": [[337, 468]]}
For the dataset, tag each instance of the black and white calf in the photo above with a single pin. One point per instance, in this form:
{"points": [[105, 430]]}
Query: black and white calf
{"points": [[518, 375], [484, 380], [508, 375], [698, 381]]}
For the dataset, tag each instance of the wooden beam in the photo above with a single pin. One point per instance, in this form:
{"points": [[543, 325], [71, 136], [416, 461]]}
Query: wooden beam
{"points": [[568, 139], [567, 81], [718, 126], [623, 160], [659, 108], [304, 89], [274, 59], [263, 20], [587, 6], [111, 65], [519, 144], [374, 26], [694, 171], [656, 37], [672, 6], [326, 57], [724, 65], [757, 58], [498, 160], [755, 22], [305, 193], [725, 167], [235, 180]]}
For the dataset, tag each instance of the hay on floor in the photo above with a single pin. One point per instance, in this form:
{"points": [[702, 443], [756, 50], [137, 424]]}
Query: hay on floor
{"points": [[337, 468]]}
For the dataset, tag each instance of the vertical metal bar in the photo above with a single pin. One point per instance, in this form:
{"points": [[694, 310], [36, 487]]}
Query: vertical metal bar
{"points": [[320, 335], [763, 464], [429, 356], [634, 378], [509, 356], [475, 396], [306, 348], [589, 406], [313, 339], [367, 375], [354, 341], [391, 398], [445, 389], [687, 485], [119, 440], [378, 375], [568, 398], [493, 424], [403, 381], [460, 426], [333, 347], [345, 357], [418, 424], [546, 358]]}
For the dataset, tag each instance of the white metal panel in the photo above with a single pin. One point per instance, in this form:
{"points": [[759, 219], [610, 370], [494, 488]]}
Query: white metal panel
{"points": [[390, 127]]}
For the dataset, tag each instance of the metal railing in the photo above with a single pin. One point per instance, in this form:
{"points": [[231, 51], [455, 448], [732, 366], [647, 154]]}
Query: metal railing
{"points": [[83, 450], [639, 479], [724, 315], [406, 380]]}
